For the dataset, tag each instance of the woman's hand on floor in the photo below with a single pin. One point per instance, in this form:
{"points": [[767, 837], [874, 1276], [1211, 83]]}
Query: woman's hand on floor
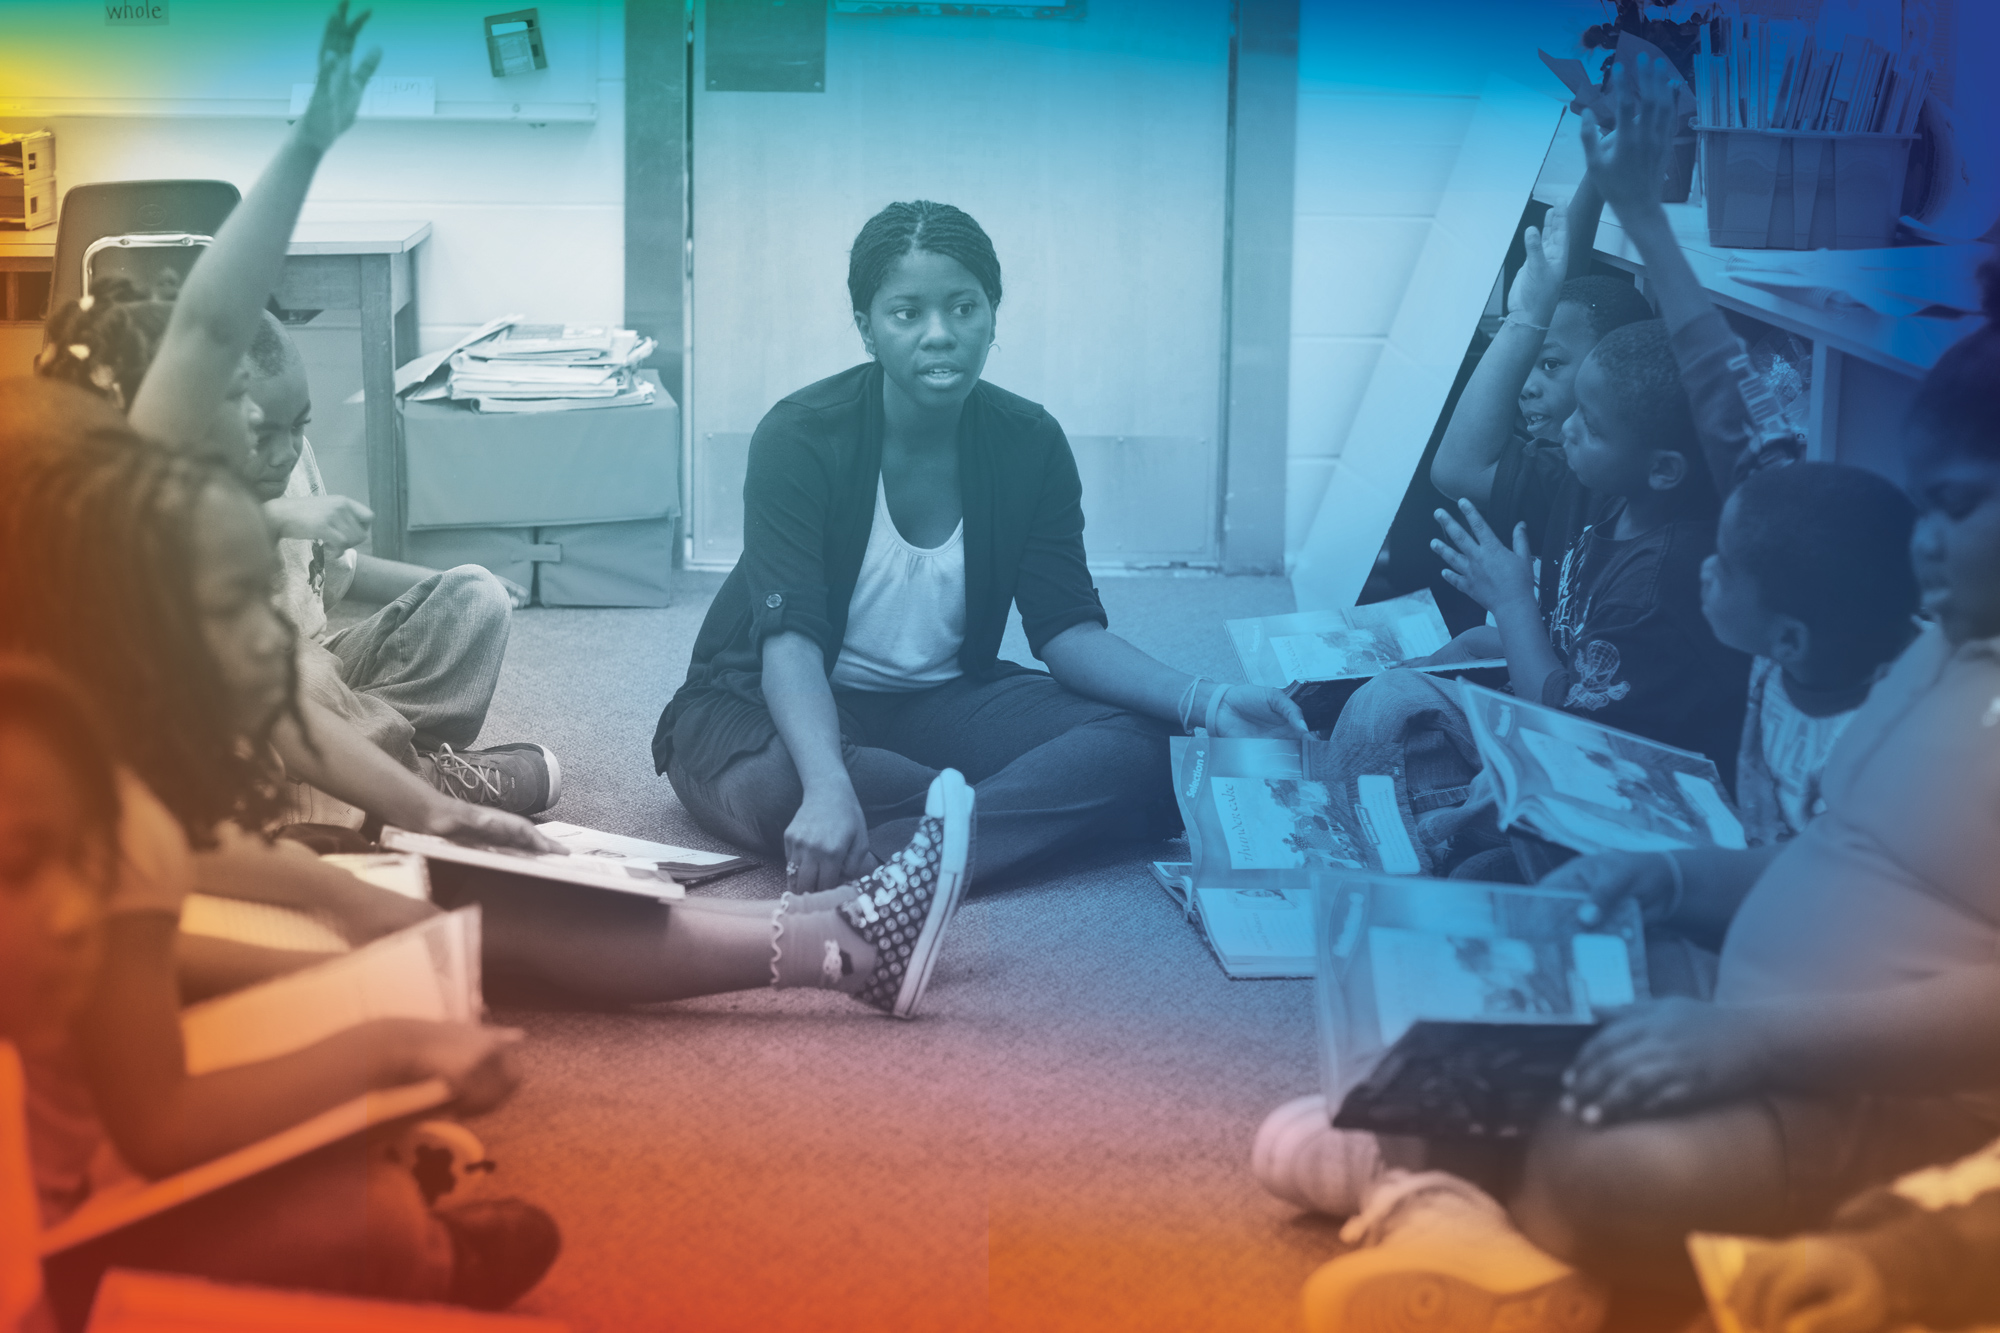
{"points": [[1810, 1284], [1664, 1057], [1256, 710], [826, 844]]}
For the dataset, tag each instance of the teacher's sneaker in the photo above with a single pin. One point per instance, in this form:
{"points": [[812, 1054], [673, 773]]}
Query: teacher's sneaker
{"points": [[1440, 1255], [521, 778], [903, 905], [1300, 1157]]}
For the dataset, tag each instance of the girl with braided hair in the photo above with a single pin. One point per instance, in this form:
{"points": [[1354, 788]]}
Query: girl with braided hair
{"points": [[892, 515]]}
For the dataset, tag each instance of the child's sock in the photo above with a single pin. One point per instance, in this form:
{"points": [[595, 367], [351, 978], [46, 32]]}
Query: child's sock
{"points": [[817, 949]]}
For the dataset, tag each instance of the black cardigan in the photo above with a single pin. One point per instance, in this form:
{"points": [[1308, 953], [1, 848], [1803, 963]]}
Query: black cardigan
{"points": [[808, 505]]}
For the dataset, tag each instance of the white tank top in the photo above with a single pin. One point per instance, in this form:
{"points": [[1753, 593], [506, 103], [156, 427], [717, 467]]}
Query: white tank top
{"points": [[906, 621]]}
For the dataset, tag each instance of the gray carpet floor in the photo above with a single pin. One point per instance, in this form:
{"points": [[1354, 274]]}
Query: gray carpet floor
{"points": [[1059, 1141]]}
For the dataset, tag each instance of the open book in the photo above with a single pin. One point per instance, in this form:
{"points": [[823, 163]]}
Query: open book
{"points": [[1320, 658], [1263, 816], [596, 860], [1593, 789], [430, 971], [1450, 1008]]}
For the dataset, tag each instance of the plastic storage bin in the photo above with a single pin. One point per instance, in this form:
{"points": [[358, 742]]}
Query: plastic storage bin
{"points": [[1793, 190], [578, 506]]}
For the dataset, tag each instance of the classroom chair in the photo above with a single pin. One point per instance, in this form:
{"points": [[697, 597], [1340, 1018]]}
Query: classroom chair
{"points": [[141, 230]]}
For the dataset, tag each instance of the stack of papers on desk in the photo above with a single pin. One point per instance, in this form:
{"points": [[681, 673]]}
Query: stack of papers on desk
{"points": [[1897, 281], [514, 367]]}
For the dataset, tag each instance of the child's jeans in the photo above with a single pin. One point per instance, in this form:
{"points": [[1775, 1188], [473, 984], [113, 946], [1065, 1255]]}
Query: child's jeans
{"points": [[1409, 722], [419, 673]]}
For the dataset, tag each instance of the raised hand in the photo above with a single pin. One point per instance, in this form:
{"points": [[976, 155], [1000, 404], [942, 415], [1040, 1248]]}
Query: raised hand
{"points": [[1628, 170], [336, 97], [1538, 286], [1481, 566]]}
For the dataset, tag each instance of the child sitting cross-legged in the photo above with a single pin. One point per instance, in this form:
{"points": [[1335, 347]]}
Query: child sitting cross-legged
{"points": [[1809, 574], [416, 677]]}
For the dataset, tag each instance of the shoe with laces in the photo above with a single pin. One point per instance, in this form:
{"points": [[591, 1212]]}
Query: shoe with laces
{"points": [[1440, 1255], [903, 906], [1300, 1157], [500, 1250], [521, 778]]}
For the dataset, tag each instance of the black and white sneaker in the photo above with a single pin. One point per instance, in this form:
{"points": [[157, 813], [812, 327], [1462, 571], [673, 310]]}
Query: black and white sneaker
{"points": [[904, 905], [521, 778]]}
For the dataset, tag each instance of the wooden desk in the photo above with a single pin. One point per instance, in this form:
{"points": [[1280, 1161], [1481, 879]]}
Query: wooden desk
{"points": [[365, 266]]}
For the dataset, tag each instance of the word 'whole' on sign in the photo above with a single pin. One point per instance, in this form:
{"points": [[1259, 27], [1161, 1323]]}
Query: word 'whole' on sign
{"points": [[134, 13]]}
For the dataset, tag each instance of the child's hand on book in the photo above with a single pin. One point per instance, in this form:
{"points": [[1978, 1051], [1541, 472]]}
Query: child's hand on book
{"points": [[1609, 878], [1629, 171], [336, 97], [1811, 1284], [1661, 1058], [1477, 563], [474, 1059], [461, 821]]}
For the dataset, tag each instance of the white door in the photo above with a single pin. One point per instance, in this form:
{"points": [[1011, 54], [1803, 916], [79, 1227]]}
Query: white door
{"points": [[1093, 152]]}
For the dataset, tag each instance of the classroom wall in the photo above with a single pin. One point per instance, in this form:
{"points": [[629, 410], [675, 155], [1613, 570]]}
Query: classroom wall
{"points": [[1385, 95], [524, 220]]}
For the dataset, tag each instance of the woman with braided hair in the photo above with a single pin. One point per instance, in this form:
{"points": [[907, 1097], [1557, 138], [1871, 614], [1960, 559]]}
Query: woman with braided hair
{"points": [[892, 515]]}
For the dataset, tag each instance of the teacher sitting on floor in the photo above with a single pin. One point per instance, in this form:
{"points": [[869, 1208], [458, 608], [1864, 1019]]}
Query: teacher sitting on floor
{"points": [[891, 514]]}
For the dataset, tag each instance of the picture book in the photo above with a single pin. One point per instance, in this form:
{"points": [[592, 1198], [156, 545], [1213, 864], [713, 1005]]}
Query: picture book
{"points": [[596, 861], [1254, 933], [429, 971], [1593, 789], [1449, 1008], [1320, 658], [685, 864]]}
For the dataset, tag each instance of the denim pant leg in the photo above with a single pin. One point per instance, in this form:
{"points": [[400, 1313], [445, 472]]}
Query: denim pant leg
{"points": [[433, 654], [1409, 722], [1051, 771]]}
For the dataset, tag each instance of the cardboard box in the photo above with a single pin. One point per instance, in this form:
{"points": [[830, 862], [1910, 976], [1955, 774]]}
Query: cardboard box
{"points": [[467, 469], [33, 155], [581, 564]]}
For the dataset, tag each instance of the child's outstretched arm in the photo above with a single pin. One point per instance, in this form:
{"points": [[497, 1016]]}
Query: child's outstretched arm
{"points": [[1585, 211], [1469, 454], [216, 316], [1626, 169]]}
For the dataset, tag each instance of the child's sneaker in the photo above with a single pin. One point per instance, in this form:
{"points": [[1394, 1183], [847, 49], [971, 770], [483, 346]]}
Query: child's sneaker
{"points": [[1300, 1157], [521, 778], [1440, 1255], [903, 906]]}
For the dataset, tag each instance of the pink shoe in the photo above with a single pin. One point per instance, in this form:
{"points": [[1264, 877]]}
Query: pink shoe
{"points": [[1300, 1157]]}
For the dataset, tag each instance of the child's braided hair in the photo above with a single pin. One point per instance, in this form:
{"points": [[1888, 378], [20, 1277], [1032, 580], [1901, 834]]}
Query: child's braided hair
{"points": [[98, 525], [106, 340], [901, 229]]}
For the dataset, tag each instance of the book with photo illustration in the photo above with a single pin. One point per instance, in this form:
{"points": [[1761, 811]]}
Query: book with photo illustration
{"points": [[1264, 817], [1450, 1008], [1320, 658], [430, 971], [594, 860], [1594, 789]]}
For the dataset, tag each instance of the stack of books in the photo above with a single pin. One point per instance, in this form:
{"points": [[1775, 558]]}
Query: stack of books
{"points": [[548, 368], [27, 180]]}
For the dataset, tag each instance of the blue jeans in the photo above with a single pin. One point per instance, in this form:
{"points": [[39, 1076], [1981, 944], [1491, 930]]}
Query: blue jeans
{"points": [[1409, 722], [420, 672], [1051, 771]]}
